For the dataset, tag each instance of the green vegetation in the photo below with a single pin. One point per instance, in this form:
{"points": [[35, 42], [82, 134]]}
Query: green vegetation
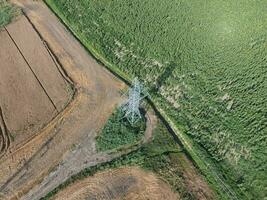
{"points": [[161, 156], [205, 64], [7, 12], [118, 132]]}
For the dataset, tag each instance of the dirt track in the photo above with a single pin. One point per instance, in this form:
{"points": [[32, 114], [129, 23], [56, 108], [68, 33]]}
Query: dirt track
{"points": [[97, 94], [83, 157], [124, 183]]}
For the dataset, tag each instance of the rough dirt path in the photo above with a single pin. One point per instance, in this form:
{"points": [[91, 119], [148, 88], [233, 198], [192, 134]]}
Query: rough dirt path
{"points": [[96, 96], [84, 156]]}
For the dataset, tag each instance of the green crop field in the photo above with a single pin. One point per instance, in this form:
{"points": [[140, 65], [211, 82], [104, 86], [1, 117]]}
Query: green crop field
{"points": [[7, 12], [205, 63]]}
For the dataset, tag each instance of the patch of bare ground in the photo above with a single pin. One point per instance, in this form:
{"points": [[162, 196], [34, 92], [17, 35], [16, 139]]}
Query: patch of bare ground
{"points": [[84, 155], [130, 183], [24, 104], [42, 63], [34, 89]]}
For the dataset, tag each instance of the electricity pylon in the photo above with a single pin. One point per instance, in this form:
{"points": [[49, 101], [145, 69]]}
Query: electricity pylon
{"points": [[131, 106]]}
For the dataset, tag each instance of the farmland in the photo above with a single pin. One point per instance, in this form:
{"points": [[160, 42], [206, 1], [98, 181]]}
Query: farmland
{"points": [[205, 65], [33, 92], [51, 98], [22, 115]]}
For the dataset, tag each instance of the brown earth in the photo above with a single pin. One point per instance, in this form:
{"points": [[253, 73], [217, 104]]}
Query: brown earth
{"points": [[28, 96], [51, 134], [42, 63], [4, 136], [124, 183]]}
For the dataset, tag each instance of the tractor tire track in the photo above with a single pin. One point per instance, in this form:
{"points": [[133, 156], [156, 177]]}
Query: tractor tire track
{"points": [[4, 136]]}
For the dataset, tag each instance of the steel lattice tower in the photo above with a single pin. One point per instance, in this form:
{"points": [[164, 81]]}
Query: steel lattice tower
{"points": [[131, 107]]}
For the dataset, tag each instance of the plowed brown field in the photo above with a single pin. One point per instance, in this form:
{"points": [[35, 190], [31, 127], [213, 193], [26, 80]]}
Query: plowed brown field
{"points": [[39, 125], [32, 90], [123, 183], [40, 60]]}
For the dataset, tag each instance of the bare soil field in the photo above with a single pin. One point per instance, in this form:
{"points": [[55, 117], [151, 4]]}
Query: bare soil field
{"points": [[34, 92], [124, 183], [32, 89], [40, 59]]}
